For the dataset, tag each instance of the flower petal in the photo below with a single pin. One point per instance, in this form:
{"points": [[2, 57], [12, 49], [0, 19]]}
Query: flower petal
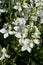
{"points": [[28, 49], [31, 45], [18, 35], [23, 48], [2, 30], [6, 35], [36, 41]]}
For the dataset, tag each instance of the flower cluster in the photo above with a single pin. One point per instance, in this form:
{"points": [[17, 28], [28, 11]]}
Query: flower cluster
{"points": [[24, 27]]}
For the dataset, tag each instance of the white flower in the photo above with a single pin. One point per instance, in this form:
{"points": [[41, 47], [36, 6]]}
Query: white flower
{"points": [[40, 13], [25, 5], [36, 41], [21, 31], [36, 34], [4, 54], [18, 6], [37, 30], [2, 10], [6, 30], [27, 45], [19, 21], [34, 18], [41, 22], [39, 3]]}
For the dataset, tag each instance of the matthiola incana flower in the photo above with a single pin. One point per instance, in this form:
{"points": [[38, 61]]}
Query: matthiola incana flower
{"points": [[19, 21], [2, 10], [4, 54], [27, 45], [18, 6], [41, 21], [36, 34], [25, 5], [36, 41], [40, 13], [39, 3], [34, 18], [21, 31], [6, 30]]}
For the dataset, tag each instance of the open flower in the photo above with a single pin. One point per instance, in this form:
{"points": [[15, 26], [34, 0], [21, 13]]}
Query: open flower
{"points": [[25, 5], [36, 34], [4, 54], [18, 6], [21, 31], [3, 10], [39, 3], [27, 45], [6, 30], [36, 41], [19, 21]]}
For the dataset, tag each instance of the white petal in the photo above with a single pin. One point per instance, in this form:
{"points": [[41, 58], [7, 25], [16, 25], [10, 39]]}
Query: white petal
{"points": [[2, 30], [16, 7], [31, 45], [21, 41], [37, 4], [6, 35], [24, 35], [2, 10], [16, 28], [12, 32], [26, 41], [23, 48], [29, 49], [41, 21], [2, 57], [7, 56], [19, 9], [36, 41], [3, 50], [18, 35]]}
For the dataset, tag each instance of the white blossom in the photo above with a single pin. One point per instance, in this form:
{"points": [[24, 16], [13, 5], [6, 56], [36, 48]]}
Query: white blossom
{"points": [[36, 41], [41, 22], [27, 45], [19, 21], [39, 3], [2, 10], [25, 5], [36, 34], [6, 30], [4, 54], [18, 6], [21, 31], [34, 18]]}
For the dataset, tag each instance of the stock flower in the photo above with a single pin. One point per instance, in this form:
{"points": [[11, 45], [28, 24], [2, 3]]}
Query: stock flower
{"points": [[41, 22], [25, 5], [4, 54], [21, 31], [2, 10], [34, 18], [19, 21], [36, 41], [36, 34], [6, 30], [18, 6], [27, 45], [39, 3]]}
